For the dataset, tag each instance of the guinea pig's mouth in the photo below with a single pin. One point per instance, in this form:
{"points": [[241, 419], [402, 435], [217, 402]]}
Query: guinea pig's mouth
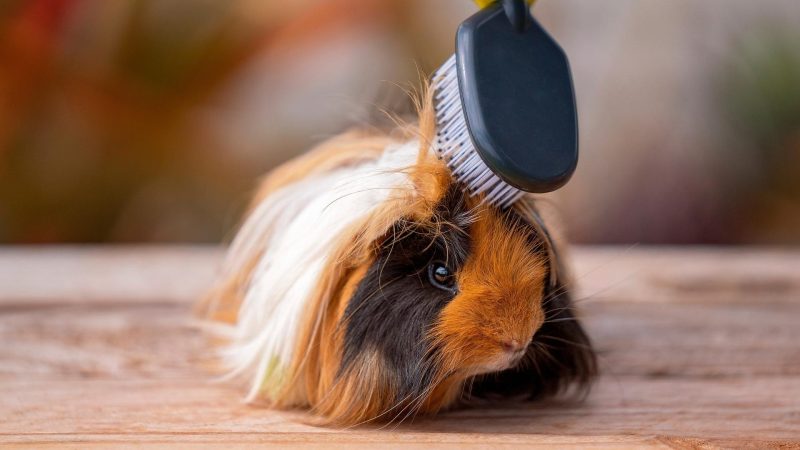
{"points": [[503, 361], [514, 359]]}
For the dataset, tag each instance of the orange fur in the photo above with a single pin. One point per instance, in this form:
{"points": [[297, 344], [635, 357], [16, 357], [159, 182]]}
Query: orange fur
{"points": [[500, 295]]}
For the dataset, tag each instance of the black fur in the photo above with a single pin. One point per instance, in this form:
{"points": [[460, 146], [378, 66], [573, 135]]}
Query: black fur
{"points": [[395, 304]]}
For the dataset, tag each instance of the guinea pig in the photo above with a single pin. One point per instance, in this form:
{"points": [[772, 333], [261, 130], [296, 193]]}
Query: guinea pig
{"points": [[366, 285]]}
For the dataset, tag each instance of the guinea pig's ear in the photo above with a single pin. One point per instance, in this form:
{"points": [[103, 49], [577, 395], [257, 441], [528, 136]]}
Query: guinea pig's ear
{"points": [[561, 356]]}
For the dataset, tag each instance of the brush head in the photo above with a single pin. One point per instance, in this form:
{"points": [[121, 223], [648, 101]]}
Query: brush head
{"points": [[505, 109]]}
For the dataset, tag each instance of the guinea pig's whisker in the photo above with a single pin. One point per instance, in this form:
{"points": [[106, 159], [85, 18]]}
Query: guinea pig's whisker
{"points": [[564, 319], [534, 362], [556, 311], [604, 290], [565, 289], [566, 341], [610, 261], [554, 295], [560, 295], [547, 299], [544, 348]]}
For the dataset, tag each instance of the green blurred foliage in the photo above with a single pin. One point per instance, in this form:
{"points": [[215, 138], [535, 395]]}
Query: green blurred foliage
{"points": [[759, 94]]}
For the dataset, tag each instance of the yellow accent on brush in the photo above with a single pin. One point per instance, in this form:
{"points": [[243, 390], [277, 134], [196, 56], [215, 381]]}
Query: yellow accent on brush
{"points": [[484, 3]]}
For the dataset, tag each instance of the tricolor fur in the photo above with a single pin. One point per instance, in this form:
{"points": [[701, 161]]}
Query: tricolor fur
{"points": [[327, 287]]}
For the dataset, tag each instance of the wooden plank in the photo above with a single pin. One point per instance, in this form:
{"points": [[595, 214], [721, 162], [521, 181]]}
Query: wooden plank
{"points": [[696, 274], [106, 274], [709, 360], [182, 273], [357, 440]]}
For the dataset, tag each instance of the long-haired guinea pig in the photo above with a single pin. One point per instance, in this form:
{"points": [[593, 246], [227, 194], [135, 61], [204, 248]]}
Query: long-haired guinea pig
{"points": [[366, 285]]}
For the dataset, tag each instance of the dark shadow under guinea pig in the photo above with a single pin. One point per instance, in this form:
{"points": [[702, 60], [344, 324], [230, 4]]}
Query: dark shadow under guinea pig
{"points": [[366, 286]]}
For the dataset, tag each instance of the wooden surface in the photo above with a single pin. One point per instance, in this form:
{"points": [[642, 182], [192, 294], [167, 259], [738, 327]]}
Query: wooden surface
{"points": [[699, 347]]}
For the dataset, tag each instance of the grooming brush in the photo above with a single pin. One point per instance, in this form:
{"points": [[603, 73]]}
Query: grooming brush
{"points": [[505, 106]]}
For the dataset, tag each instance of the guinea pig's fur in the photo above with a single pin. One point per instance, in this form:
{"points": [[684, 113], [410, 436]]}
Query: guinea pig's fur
{"points": [[338, 291]]}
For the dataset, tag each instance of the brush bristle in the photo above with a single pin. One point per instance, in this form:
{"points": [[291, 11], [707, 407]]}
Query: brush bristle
{"points": [[454, 144]]}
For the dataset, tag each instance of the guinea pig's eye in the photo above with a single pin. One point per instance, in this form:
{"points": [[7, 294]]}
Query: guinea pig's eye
{"points": [[442, 277]]}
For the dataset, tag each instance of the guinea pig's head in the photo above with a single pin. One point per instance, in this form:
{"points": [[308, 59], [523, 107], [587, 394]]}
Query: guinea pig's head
{"points": [[460, 294], [463, 303]]}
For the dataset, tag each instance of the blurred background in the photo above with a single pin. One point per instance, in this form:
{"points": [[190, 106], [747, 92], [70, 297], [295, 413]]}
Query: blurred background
{"points": [[151, 120]]}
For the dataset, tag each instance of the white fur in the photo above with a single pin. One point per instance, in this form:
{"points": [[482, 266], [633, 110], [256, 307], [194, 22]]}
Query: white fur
{"points": [[293, 231]]}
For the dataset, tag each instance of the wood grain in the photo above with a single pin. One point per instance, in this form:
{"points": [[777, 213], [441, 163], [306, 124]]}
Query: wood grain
{"points": [[699, 348]]}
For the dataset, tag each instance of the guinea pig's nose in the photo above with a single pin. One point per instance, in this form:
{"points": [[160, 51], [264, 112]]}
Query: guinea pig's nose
{"points": [[512, 346]]}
